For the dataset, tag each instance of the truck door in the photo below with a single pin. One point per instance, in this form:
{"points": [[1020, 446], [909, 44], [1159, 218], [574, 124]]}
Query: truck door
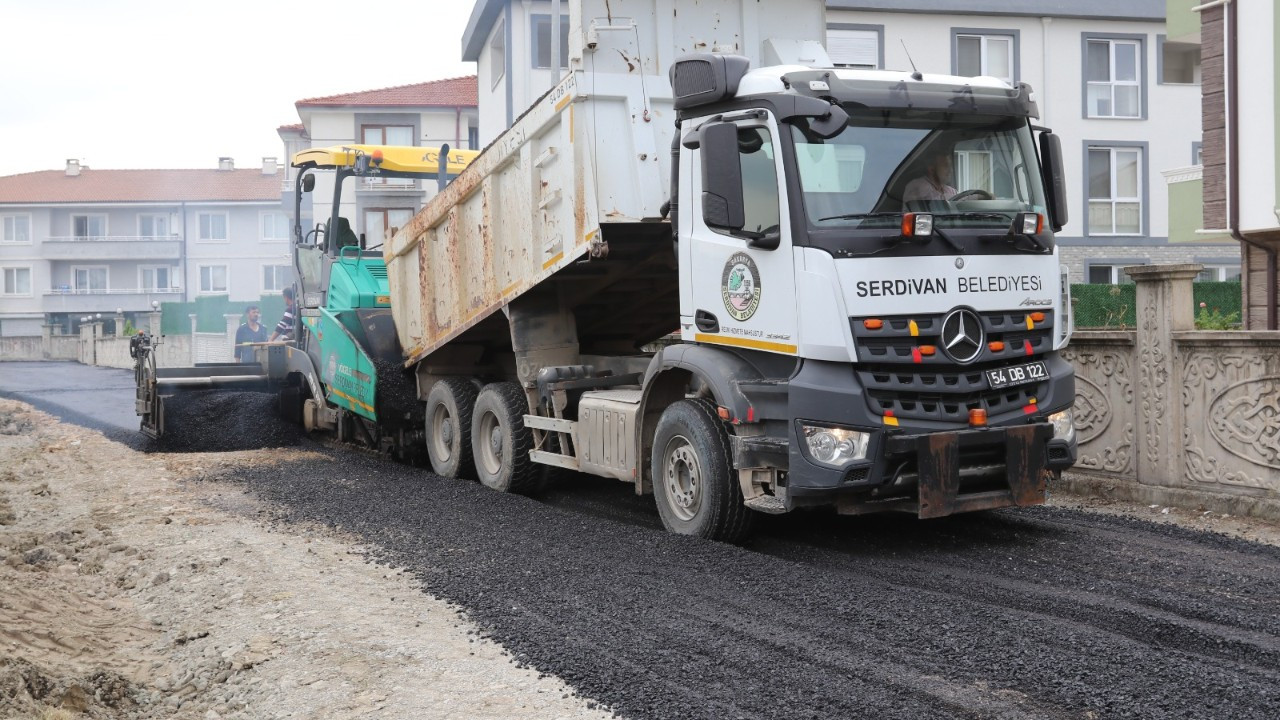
{"points": [[743, 282]]}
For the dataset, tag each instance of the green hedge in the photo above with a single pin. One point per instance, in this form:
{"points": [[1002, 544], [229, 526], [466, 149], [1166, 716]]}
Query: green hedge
{"points": [[210, 313], [1112, 306]]}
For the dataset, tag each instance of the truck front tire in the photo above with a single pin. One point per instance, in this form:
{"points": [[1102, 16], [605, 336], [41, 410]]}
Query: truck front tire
{"points": [[448, 426], [694, 484], [500, 442]]}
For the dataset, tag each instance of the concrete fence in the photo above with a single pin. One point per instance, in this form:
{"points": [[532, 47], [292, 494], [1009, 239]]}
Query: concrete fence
{"points": [[1172, 415], [92, 346]]}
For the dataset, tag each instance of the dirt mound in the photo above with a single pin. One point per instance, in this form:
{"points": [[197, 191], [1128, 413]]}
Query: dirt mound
{"points": [[219, 421]]}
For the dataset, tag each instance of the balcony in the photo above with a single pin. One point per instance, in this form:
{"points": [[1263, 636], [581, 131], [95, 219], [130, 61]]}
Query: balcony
{"points": [[388, 185], [113, 247], [70, 300]]}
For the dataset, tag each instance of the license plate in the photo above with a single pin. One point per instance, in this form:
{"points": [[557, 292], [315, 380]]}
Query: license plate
{"points": [[1017, 375]]}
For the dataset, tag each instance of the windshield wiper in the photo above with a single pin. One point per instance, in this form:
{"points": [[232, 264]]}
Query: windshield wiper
{"points": [[1012, 238], [861, 216], [978, 216]]}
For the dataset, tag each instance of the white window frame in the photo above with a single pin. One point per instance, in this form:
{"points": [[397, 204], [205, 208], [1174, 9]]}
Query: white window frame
{"points": [[106, 282], [262, 226], [498, 52], [1116, 271], [1220, 270], [226, 226], [155, 216], [226, 270], [984, 37], [106, 230], [6, 291], [964, 167], [8, 226], [1140, 69], [171, 270], [535, 45], [1141, 197], [262, 277]]}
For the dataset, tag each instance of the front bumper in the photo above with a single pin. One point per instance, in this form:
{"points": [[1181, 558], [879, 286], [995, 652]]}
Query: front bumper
{"points": [[933, 471]]}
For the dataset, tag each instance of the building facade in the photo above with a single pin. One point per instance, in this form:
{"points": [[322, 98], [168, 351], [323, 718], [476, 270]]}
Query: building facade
{"points": [[426, 114], [78, 242], [1239, 185], [1107, 81]]}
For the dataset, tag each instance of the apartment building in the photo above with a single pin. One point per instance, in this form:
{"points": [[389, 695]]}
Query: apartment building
{"points": [[423, 114], [1106, 80], [81, 241]]}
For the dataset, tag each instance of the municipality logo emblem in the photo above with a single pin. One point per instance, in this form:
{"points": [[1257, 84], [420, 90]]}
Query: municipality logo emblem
{"points": [[740, 287]]}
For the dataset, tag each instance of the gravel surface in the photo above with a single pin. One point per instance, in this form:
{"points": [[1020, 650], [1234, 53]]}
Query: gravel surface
{"points": [[1043, 613], [221, 421]]}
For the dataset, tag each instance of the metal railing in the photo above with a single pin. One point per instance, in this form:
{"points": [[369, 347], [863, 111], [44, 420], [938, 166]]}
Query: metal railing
{"points": [[112, 238], [112, 291]]}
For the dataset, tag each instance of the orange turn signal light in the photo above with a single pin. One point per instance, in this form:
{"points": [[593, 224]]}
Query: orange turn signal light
{"points": [[995, 346], [872, 324], [723, 412], [928, 349], [1037, 317], [977, 417]]}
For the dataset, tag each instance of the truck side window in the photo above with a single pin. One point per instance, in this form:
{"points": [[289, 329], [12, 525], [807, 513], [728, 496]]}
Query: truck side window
{"points": [[759, 179]]}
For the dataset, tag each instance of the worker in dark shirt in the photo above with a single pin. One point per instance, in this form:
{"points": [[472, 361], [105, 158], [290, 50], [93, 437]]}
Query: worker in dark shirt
{"points": [[251, 331], [284, 328]]}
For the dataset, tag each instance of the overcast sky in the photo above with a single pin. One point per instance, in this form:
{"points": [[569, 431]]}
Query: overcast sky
{"points": [[178, 84]]}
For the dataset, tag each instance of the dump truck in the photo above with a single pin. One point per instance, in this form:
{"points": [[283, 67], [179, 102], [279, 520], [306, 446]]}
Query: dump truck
{"points": [[710, 264]]}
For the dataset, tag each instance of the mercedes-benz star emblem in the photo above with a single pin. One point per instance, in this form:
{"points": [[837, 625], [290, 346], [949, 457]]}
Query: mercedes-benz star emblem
{"points": [[962, 335]]}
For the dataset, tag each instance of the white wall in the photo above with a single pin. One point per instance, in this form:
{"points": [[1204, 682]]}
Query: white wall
{"points": [[243, 253], [1257, 67]]}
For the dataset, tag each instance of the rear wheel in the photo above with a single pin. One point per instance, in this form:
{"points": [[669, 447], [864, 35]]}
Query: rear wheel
{"points": [[500, 442], [693, 479], [448, 426]]}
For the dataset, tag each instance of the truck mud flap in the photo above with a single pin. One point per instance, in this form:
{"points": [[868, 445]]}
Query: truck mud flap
{"points": [[940, 469]]}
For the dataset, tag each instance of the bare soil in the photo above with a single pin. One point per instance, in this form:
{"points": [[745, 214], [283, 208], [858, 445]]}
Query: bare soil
{"points": [[127, 592]]}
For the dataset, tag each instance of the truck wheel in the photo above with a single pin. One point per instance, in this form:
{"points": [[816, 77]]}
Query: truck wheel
{"points": [[499, 440], [693, 478], [448, 426]]}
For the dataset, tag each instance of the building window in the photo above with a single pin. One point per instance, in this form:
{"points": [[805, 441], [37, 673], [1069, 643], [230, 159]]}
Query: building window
{"points": [[89, 279], [378, 220], [473, 138], [16, 229], [275, 226], [89, 227], [1219, 273], [1116, 190], [213, 227], [387, 134], [276, 278], [856, 46], [1115, 71], [1177, 63], [973, 170], [155, 278], [992, 53], [153, 226], [541, 41], [16, 282], [213, 279], [1110, 272], [498, 52], [1197, 153]]}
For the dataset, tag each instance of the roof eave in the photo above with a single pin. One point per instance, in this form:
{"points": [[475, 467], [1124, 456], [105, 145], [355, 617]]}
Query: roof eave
{"points": [[483, 15]]}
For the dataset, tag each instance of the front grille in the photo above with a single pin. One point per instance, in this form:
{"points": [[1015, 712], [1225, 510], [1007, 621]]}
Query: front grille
{"points": [[377, 271], [857, 474], [902, 379], [1058, 453]]}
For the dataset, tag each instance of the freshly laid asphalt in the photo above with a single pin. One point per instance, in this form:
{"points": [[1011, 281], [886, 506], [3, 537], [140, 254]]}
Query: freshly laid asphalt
{"points": [[1040, 613]]}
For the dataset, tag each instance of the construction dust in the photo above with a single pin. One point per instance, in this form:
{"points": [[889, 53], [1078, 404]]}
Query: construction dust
{"points": [[220, 421]]}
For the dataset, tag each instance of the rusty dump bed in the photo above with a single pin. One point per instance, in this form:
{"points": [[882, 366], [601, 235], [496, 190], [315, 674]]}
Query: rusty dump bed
{"points": [[570, 198]]}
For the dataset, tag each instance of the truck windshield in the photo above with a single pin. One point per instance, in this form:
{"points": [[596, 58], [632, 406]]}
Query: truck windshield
{"points": [[970, 170]]}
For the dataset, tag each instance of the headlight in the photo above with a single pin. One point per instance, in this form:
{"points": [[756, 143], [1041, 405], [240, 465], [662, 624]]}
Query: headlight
{"points": [[1063, 427], [834, 446]]}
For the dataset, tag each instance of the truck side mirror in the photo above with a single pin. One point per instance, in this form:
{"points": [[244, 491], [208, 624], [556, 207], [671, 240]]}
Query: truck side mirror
{"points": [[722, 202], [308, 183], [1055, 182]]}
